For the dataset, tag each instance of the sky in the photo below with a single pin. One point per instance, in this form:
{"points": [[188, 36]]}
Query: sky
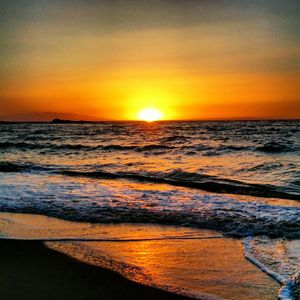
{"points": [[190, 59]]}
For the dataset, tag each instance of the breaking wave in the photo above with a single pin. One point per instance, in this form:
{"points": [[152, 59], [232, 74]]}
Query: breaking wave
{"points": [[176, 178], [113, 201], [194, 180]]}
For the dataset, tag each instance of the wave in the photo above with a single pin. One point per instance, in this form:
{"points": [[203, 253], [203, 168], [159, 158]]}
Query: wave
{"points": [[266, 167], [10, 167], [269, 148], [20, 145], [206, 150], [194, 180], [112, 147], [7, 167], [176, 138], [296, 182], [83, 147], [233, 218], [114, 201], [154, 147], [176, 178], [273, 147], [135, 148], [69, 147], [235, 148], [224, 149], [116, 147]]}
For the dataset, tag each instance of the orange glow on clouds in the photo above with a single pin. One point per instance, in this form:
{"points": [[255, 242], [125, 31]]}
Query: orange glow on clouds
{"points": [[218, 63]]}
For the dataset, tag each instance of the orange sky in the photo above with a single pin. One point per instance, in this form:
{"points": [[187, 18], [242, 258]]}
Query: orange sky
{"points": [[197, 60]]}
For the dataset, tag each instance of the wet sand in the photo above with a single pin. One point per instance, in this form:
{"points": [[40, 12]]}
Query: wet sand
{"points": [[31, 271], [203, 264]]}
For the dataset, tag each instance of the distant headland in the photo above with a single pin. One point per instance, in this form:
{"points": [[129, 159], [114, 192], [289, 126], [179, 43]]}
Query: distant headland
{"points": [[61, 121], [49, 117]]}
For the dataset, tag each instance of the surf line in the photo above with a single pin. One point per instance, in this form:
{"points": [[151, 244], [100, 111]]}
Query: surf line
{"points": [[288, 283], [110, 240]]}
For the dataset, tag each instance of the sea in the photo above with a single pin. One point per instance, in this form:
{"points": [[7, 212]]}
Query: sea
{"points": [[239, 180]]}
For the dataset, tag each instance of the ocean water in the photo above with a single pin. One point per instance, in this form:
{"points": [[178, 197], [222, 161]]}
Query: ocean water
{"points": [[239, 178]]}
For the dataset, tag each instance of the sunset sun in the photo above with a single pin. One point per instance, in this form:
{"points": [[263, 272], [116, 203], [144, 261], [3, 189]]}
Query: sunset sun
{"points": [[150, 114]]}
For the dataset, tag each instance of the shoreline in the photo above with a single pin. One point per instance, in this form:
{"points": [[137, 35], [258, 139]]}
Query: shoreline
{"points": [[29, 270], [207, 266]]}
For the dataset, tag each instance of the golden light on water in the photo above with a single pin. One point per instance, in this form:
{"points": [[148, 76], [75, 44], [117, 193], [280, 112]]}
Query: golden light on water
{"points": [[150, 114]]}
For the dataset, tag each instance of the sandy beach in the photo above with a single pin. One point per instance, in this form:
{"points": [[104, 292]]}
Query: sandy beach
{"points": [[37, 262], [31, 271]]}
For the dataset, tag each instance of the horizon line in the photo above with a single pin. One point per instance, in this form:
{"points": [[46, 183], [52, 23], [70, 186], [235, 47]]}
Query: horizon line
{"points": [[157, 121]]}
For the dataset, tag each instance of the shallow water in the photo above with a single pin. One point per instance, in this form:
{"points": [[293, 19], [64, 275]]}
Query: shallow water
{"points": [[181, 260]]}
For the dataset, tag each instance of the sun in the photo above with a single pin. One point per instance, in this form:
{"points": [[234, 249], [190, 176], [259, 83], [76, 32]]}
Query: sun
{"points": [[150, 114]]}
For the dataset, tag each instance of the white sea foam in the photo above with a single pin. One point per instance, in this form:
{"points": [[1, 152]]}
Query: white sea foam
{"points": [[108, 201], [284, 267]]}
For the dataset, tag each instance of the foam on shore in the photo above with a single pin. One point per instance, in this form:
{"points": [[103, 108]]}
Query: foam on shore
{"points": [[278, 258], [180, 260]]}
